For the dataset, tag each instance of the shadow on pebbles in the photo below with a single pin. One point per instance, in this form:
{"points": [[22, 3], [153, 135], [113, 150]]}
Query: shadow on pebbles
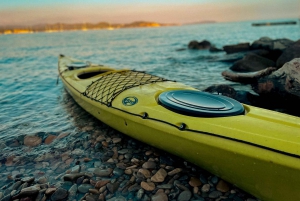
{"points": [[97, 164]]}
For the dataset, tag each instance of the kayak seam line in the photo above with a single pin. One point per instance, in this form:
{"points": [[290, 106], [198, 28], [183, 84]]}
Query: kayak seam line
{"points": [[201, 132], [216, 135]]}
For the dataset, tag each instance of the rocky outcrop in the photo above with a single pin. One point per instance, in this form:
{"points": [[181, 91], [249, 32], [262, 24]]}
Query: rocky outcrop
{"points": [[270, 44], [195, 45], [283, 82], [251, 63], [215, 49], [291, 52], [241, 47]]}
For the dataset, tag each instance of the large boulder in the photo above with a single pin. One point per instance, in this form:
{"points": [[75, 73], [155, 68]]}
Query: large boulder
{"points": [[241, 47], [291, 52], [270, 44], [284, 82], [199, 45], [251, 63]]}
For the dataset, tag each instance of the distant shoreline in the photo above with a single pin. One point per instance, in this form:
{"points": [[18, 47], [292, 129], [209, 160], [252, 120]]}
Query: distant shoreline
{"points": [[61, 27]]}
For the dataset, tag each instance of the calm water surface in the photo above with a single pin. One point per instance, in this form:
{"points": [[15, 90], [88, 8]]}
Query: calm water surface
{"points": [[31, 102]]}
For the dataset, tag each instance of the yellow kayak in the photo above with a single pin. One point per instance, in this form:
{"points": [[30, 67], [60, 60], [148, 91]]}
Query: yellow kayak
{"points": [[255, 149]]}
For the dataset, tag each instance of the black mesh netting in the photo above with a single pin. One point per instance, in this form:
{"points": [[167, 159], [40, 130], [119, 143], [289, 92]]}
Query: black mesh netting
{"points": [[108, 87]]}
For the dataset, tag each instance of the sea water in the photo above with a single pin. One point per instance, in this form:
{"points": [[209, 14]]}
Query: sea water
{"points": [[31, 102]]}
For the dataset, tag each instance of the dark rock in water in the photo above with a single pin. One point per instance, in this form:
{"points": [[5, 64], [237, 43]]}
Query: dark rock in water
{"points": [[118, 172], [270, 44], [289, 53], [72, 177], [59, 194], [251, 63], [241, 47], [269, 54], [215, 49], [113, 187], [103, 173], [230, 58], [224, 90], [195, 45]]}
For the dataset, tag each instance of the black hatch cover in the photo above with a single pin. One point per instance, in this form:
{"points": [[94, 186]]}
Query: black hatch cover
{"points": [[197, 103]]}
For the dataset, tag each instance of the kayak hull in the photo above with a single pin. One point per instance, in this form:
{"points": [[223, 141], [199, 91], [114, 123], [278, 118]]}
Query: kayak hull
{"points": [[267, 173]]}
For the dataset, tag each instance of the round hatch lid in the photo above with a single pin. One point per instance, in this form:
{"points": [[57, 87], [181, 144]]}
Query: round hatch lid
{"points": [[197, 103]]}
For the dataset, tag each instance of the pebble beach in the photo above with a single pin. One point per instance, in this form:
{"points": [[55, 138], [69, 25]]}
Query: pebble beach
{"points": [[99, 163]]}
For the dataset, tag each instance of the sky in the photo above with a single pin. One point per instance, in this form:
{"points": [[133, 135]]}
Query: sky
{"points": [[32, 12]]}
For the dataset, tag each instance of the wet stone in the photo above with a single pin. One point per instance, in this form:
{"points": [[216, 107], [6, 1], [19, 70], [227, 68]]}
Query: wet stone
{"points": [[118, 171], [128, 171], [194, 182], [32, 141], [42, 180], [103, 173], [205, 188], [50, 139], [80, 180], [101, 183], [165, 186], [113, 187], [214, 194], [59, 194], [159, 197], [128, 156], [159, 176], [94, 191], [222, 186], [214, 179], [116, 140], [72, 177], [84, 188], [73, 191], [149, 165], [123, 151], [184, 196], [140, 194], [203, 179], [134, 187], [119, 198], [146, 173], [50, 191], [148, 186], [75, 169], [175, 171], [16, 185]]}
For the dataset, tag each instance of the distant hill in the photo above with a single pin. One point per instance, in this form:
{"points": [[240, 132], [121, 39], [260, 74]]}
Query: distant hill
{"points": [[58, 27], [202, 22]]}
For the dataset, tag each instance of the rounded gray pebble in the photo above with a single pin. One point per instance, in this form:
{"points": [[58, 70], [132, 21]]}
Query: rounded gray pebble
{"points": [[84, 188]]}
